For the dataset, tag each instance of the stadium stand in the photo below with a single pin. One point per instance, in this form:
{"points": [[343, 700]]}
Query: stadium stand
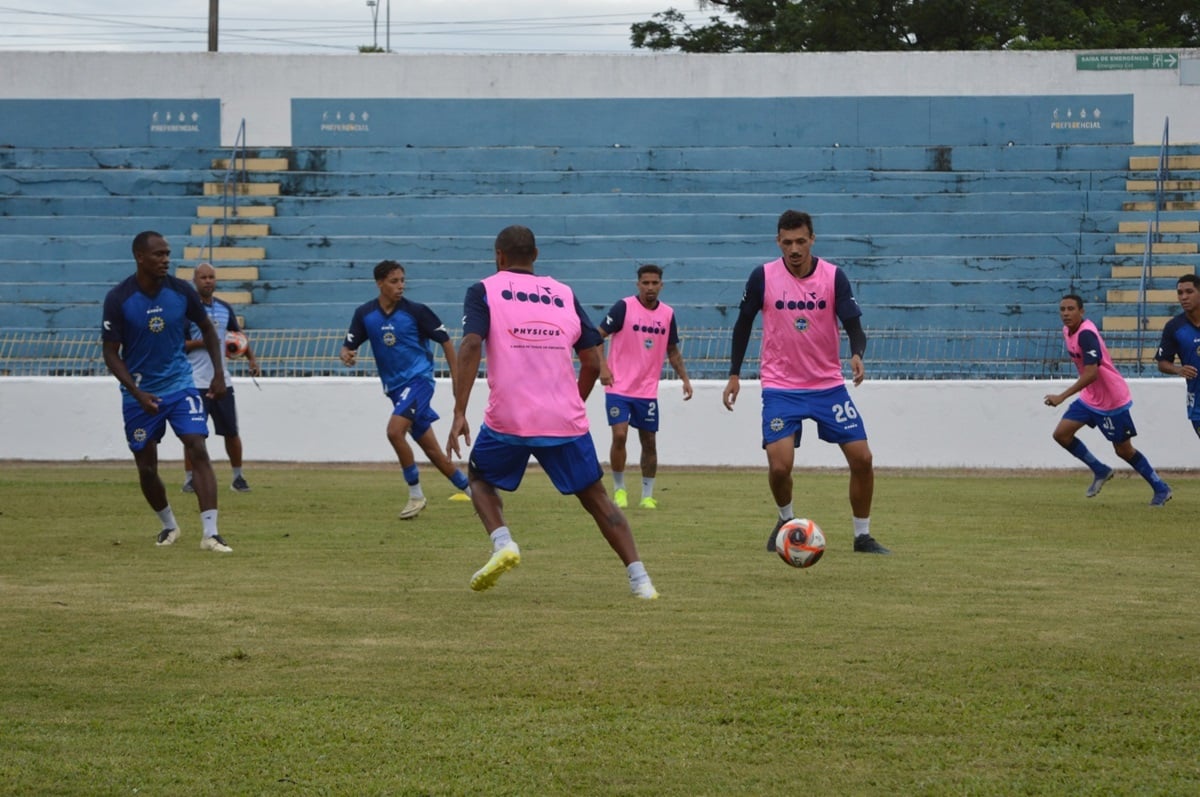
{"points": [[968, 245]]}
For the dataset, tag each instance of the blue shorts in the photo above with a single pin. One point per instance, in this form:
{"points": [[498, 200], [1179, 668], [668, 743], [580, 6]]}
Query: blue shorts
{"points": [[1116, 427], [638, 413], [833, 411], [500, 460], [223, 412], [414, 401], [184, 410]]}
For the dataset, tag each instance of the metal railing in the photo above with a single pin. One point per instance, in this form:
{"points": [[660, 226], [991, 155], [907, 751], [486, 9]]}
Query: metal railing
{"points": [[892, 354], [1153, 236], [234, 177]]}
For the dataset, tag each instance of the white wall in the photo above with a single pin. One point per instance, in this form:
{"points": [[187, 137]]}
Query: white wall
{"points": [[259, 88], [341, 419]]}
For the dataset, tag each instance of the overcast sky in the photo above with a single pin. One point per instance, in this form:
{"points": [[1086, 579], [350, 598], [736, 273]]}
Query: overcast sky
{"points": [[331, 26]]}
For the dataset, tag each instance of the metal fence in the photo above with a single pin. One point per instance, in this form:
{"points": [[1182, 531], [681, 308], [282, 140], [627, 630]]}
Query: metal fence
{"points": [[891, 354]]}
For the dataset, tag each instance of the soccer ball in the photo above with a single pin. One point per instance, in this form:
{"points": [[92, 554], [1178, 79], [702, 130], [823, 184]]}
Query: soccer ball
{"points": [[235, 344], [800, 542]]}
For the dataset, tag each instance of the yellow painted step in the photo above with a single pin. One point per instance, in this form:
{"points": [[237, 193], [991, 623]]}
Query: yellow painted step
{"points": [[1163, 226], [1128, 323], [1142, 163], [281, 164], [242, 189], [224, 273], [1130, 355], [241, 212], [1149, 206], [235, 297], [224, 253], [1135, 272], [1168, 185], [219, 228], [1158, 249], [1120, 295]]}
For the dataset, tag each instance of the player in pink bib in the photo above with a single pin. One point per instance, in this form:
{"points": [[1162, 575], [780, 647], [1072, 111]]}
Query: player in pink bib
{"points": [[642, 335], [532, 325], [1104, 402], [802, 299]]}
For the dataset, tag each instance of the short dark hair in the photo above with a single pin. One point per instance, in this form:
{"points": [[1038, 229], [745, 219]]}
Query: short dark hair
{"points": [[794, 220], [650, 268], [517, 243], [385, 267], [141, 241], [1192, 278], [1073, 297]]}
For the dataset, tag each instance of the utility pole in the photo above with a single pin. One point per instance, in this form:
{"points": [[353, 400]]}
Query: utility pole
{"points": [[388, 36], [212, 25], [374, 6]]}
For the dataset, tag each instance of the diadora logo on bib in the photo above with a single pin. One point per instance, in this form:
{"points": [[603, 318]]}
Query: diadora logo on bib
{"points": [[811, 303], [542, 296], [536, 330], [650, 329]]}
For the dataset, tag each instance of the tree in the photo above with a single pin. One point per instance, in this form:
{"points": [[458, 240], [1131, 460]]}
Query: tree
{"points": [[842, 25]]}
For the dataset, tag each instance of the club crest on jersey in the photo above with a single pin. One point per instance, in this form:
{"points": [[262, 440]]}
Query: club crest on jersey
{"points": [[389, 338], [801, 324], [648, 343], [139, 435], [156, 324], [614, 412], [776, 424]]}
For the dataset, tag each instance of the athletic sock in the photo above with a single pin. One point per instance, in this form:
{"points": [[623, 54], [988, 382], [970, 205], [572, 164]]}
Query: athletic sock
{"points": [[1143, 466], [786, 512], [647, 488], [237, 473], [167, 517], [500, 537], [459, 480], [862, 527], [412, 475], [618, 480], [208, 521], [1078, 450]]}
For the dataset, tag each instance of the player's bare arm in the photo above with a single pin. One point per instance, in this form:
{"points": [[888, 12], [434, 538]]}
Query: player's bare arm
{"points": [[470, 354]]}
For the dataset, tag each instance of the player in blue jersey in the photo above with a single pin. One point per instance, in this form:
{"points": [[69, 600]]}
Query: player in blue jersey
{"points": [[223, 411], [143, 335], [1181, 339], [401, 333]]}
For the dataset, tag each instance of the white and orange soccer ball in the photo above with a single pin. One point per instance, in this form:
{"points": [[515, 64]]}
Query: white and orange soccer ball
{"points": [[236, 344], [800, 542]]}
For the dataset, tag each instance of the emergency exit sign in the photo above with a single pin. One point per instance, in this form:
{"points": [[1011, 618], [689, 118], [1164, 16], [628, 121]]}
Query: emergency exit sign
{"points": [[1092, 62]]}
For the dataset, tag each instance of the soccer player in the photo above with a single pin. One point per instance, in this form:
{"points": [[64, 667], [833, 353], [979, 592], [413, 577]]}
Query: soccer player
{"points": [[802, 298], [643, 334], [1181, 338], [402, 333], [1103, 402], [536, 406], [143, 335], [223, 411]]}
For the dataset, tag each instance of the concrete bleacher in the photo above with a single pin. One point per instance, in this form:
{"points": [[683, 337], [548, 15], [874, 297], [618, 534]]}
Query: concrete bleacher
{"points": [[937, 237]]}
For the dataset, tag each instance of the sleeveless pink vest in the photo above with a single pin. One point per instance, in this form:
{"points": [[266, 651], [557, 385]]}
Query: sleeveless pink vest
{"points": [[636, 353], [800, 349], [1109, 391], [530, 360]]}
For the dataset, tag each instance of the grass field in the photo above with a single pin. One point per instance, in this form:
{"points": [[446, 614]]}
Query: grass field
{"points": [[1021, 640]]}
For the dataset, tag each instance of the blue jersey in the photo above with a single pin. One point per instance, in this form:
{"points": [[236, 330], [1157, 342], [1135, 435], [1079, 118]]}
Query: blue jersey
{"points": [[150, 330], [402, 341], [1181, 338], [221, 313]]}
